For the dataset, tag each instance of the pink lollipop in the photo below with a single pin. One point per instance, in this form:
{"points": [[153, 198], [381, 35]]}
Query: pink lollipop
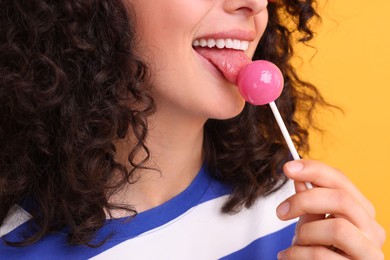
{"points": [[261, 82]]}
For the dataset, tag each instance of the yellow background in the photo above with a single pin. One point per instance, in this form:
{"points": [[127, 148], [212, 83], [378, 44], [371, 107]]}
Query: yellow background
{"points": [[352, 69]]}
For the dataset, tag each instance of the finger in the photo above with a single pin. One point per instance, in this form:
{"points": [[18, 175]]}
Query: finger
{"points": [[299, 186], [305, 219], [324, 201], [338, 233], [320, 201], [309, 252], [322, 175]]}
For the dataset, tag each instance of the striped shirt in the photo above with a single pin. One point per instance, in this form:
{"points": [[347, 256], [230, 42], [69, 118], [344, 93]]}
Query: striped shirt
{"points": [[189, 226]]}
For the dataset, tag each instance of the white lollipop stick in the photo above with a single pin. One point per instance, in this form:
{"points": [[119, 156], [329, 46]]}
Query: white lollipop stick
{"points": [[286, 136]]}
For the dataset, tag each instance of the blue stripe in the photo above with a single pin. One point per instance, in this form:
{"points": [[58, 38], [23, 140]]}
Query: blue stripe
{"points": [[266, 247], [55, 245]]}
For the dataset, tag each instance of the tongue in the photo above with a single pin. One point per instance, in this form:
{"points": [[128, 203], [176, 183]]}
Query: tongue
{"points": [[230, 62]]}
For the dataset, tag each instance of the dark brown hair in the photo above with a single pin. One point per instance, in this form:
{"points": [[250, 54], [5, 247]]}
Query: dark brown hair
{"points": [[68, 72]]}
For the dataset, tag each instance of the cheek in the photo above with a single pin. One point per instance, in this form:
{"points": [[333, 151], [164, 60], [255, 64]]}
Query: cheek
{"points": [[261, 22], [166, 17], [164, 34]]}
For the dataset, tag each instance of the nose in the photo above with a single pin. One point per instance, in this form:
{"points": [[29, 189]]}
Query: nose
{"points": [[249, 7]]}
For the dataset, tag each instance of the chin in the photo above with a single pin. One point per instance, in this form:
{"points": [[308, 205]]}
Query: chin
{"points": [[228, 111]]}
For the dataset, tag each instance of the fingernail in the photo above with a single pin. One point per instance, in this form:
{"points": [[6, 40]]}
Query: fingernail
{"points": [[283, 208], [281, 255], [294, 166]]}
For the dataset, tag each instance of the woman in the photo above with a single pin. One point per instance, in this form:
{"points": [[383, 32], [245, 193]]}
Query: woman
{"points": [[124, 136]]}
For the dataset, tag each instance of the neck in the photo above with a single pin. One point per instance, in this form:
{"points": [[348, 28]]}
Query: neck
{"points": [[175, 145]]}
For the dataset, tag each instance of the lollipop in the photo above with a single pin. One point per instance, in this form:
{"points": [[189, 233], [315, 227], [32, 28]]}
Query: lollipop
{"points": [[261, 82]]}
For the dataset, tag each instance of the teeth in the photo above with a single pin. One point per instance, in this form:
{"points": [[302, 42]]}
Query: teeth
{"points": [[236, 44], [244, 45], [229, 43], [222, 43], [210, 43]]}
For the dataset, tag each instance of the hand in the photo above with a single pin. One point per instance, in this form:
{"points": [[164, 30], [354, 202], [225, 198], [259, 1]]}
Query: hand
{"points": [[336, 220]]}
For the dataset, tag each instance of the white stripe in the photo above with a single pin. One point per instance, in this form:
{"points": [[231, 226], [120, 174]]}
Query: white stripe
{"points": [[15, 217], [204, 232]]}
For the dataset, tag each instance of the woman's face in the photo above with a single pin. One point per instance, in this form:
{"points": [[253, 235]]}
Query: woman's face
{"points": [[182, 80]]}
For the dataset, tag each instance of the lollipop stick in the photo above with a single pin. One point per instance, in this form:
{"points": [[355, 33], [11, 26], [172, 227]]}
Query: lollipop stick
{"points": [[286, 136]]}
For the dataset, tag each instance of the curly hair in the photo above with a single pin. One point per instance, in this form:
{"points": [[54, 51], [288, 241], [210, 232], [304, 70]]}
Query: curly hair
{"points": [[68, 72]]}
